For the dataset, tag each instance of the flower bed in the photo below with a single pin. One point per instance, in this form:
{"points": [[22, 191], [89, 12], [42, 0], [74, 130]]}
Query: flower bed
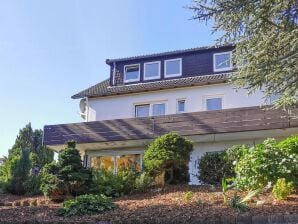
{"points": [[169, 205]]}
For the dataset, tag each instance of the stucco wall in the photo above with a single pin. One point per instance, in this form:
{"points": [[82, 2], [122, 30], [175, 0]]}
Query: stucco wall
{"points": [[116, 107]]}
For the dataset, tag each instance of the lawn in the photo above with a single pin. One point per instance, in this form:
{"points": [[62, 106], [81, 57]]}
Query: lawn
{"points": [[157, 206]]}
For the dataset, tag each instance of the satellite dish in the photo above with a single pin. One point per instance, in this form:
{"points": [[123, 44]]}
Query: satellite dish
{"points": [[83, 106]]}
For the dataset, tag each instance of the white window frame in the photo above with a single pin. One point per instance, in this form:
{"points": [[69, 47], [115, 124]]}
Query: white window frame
{"points": [[141, 104], [150, 107], [206, 97], [153, 77], [131, 80], [222, 69], [173, 75], [177, 106]]}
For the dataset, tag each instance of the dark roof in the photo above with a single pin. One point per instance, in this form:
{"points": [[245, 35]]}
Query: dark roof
{"points": [[104, 89], [187, 124], [196, 49]]}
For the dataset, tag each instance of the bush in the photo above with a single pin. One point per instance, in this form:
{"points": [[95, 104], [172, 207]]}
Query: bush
{"points": [[110, 184], [282, 189], [213, 167], [18, 168], [32, 185], [166, 154], [267, 162], [86, 205], [67, 177], [143, 182]]}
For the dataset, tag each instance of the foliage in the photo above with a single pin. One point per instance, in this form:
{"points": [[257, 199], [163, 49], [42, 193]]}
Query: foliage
{"points": [[143, 182], [87, 205], [267, 162], [114, 185], [32, 185], [167, 153], [282, 189], [18, 172], [225, 186], [237, 203], [266, 36], [214, 167], [67, 176], [26, 154], [188, 195]]}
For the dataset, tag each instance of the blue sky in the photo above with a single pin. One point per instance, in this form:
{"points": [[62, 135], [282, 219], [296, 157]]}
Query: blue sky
{"points": [[51, 49]]}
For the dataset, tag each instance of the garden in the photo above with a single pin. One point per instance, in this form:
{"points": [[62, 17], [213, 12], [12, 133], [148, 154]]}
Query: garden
{"points": [[240, 183]]}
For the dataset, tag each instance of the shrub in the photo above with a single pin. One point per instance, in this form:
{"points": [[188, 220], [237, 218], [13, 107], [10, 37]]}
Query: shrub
{"points": [[67, 177], [282, 189], [18, 168], [166, 154], [32, 185], [213, 167], [86, 205], [143, 182], [267, 162], [114, 185], [188, 195]]}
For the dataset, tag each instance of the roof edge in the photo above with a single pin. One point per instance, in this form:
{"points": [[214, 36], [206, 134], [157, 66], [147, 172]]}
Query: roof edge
{"points": [[203, 48]]}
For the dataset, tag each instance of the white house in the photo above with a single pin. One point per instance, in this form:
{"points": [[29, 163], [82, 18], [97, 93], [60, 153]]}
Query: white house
{"points": [[185, 91]]}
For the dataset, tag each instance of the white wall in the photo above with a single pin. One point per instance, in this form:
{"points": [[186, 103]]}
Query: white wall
{"points": [[116, 107]]}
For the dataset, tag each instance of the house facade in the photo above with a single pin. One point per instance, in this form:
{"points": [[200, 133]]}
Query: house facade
{"points": [[184, 91]]}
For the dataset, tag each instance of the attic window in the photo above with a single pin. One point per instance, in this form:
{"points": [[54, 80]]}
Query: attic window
{"points": [[173, 67], [152, 70], [131, 73], [222, 61]]}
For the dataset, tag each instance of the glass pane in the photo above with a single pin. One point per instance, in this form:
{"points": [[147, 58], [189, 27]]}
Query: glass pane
{"points": [[129, 162], [181, 105], [222, 61], [214, 104], [132, 72], [159, 109], [173, 67], [103, 162], [142, 110], [152, 70]]}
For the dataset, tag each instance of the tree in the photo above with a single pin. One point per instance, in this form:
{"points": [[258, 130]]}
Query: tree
{"points": [[26, 153], [168, 155], [67, 177], [266, 38]]}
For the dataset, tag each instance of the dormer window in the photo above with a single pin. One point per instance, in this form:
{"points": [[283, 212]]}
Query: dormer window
{"points": [[222, 61], [152, 70], [173, 68], [131, 73]]}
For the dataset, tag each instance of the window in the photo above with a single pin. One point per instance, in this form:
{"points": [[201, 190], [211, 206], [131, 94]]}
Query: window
{"points": [[142, 110], [131, 73], [180, 106], [152, 70], [150, 109], [214, 103], [173, 67], [158, 109], [222, 61]]}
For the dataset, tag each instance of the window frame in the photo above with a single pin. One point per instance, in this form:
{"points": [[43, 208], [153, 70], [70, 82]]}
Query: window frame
{"points": [[138, 105], [172, 75], [159, 70], [151, 103], [205, 98], [131, 80], [222, 69], [177, 106]]}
